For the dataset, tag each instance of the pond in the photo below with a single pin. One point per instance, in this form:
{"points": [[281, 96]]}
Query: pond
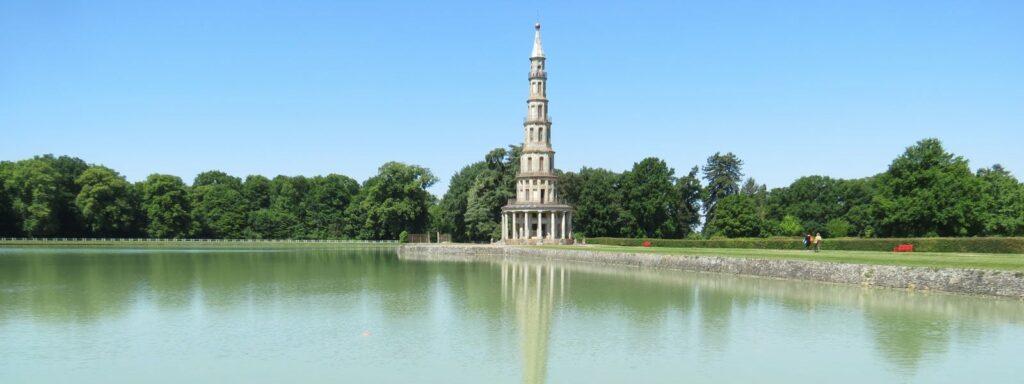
{"points": [[106, 315]]}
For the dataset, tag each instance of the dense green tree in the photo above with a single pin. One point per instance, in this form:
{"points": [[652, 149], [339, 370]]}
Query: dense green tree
{"points": [[648, 191], [483, 205], [394, 200], [268, 223], [285, 216], [216, 177], [723, 174], [256, 191], [326, 200], [450, 213], [218, 205], [738, 216], [107, 202], [815, 200], [491, 190], [471, 209], [860, 212], [8, 222], [166, 205], [812, 199], [35, 198], [39, 196], [595, 195], [929, 192], [1001, 202], [688, 202], [286, 194], [68, 170]]}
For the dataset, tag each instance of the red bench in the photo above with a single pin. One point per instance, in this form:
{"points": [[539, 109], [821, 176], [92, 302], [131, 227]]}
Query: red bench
{"points": [[903, 248]]}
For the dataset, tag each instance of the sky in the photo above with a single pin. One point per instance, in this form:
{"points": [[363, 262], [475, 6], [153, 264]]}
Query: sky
{"points": [[298, 87]]}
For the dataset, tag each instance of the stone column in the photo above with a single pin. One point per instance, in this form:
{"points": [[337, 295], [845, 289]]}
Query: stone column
{"points": [[570, 225], [551, 228], [540, 225], [526, 225], [562, 234], [504, 226], [515, 228]]}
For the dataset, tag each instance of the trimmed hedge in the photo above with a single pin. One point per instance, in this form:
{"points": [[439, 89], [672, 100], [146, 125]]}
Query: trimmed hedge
{"points": [[927, 244]]}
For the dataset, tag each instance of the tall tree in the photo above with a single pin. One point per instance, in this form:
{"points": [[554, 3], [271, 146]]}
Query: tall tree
{"points": [[649, 196], [32, 187], [471, 209], [8, 223], [929, 192], [325, 202], [596, 196], [483, 206], [688, 203], [491, 190], [218, 205], [256, 191], [68, 170], [812, 199], [738, 217], [284, 218], [759, 194], [723, 174], [394, 200], [1002, 202], [450, 216], [167, 207], [107, 203]]}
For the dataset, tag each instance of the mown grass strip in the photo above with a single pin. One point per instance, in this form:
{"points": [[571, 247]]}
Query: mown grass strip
{"points": [[1002, 262], [1010, 245]]}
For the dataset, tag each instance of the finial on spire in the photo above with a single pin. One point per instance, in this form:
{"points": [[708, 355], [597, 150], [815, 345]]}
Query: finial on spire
{"points": [[537, 50]]}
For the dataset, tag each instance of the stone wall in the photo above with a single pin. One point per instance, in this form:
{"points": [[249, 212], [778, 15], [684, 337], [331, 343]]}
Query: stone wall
{"points": [[966, 281]]}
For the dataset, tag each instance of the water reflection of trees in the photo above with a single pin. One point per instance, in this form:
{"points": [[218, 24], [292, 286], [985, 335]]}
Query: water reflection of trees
{"points": [[906, 326], [87, 285]]}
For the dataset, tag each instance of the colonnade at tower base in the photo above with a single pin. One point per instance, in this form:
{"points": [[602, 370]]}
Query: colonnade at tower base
{"points": [[532, 224]]}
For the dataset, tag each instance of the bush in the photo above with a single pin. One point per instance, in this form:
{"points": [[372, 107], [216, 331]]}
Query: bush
{"points": [[838, 227], [403, 237], [790, 226], [930, 244]]}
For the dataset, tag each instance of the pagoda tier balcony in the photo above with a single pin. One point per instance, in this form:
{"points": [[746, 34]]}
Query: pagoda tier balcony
{"points": [[537, 175], [558, 203], [538, 74], [537, 120]]}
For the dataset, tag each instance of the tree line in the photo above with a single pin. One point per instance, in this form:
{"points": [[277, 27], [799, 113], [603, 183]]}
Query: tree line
{"points": [[925, 192], [49, 196]]}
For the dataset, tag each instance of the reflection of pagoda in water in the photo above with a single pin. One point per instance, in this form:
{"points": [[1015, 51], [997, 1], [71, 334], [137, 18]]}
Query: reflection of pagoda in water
{"points": [[531, 288]]}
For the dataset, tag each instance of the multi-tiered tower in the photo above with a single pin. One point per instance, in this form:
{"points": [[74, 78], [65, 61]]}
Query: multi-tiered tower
{"points": [[537, 214]]}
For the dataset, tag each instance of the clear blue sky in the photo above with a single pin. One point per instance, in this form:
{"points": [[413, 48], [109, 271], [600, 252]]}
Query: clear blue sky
{"points": [[838, 88]]}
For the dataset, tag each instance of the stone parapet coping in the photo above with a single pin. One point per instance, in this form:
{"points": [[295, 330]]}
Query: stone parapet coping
{"points": [[961, 281]]}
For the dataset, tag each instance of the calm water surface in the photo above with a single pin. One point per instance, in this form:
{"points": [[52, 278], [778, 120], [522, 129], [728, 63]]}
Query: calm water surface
{"points": [[174, 316]]}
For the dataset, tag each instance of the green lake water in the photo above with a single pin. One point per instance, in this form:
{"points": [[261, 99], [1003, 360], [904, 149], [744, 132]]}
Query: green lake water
{"points": [[319, 316]]}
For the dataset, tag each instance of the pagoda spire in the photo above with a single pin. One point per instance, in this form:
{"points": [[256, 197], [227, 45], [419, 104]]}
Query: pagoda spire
{"points": [[537, 50]]}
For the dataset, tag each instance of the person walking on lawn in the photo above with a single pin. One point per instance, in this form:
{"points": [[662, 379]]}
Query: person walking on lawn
{"points": [[817, 241]]}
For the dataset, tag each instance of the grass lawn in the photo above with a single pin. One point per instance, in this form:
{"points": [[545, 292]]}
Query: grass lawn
{"points": [[1003, 262]]}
